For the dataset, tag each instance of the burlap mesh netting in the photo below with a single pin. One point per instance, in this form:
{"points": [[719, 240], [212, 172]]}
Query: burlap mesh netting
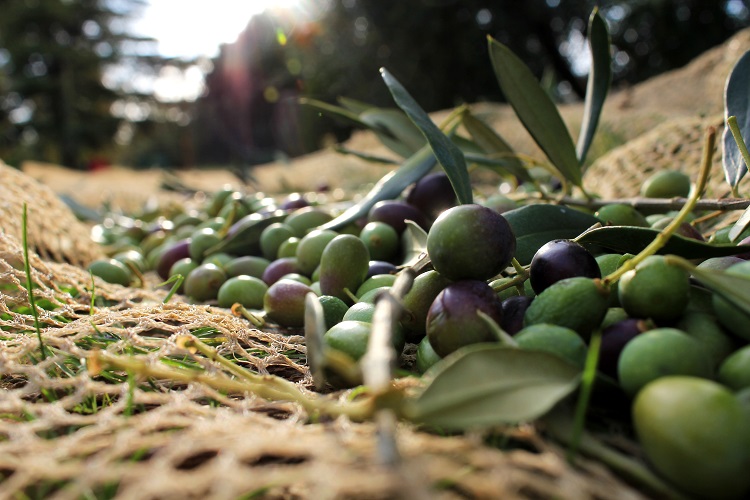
{"points": [[53, 231], [676, 144], [168, 422]]}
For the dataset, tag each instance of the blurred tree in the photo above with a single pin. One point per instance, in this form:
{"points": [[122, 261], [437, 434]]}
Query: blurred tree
{"points": [[53, 53], [438, 50]]}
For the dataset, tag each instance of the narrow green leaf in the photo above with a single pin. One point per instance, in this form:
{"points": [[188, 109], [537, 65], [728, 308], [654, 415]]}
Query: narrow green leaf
{"points": [[394, 130], [447, 153], [364, 156], [388, 187], [597, 87], [733, 287], [243, 238], [355, 106], [413, 243], [535, 225], [630, 239], [736, 103], [492, 144], [488, 384], [333, 110], [742, 223], [536, 110], [315, 328]]}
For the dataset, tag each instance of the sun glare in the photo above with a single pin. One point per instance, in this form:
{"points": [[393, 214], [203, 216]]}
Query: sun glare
{"points": [[196, 29]]}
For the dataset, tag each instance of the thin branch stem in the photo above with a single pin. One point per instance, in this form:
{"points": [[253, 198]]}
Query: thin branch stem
{"points": [[661, 239]]}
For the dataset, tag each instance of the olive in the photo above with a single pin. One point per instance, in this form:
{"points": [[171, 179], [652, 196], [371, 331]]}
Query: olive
{"points": [[247, 264], [560, 259], [204, 281], [245, 290], [278, 268], [395, 213], [470, 242], [453, 322], [380, 267], [381, 240], [613, 341], [171, 254], [272, 237], [514, 309], [310, 249], [111, 271], [284, 302], [432, 194]]}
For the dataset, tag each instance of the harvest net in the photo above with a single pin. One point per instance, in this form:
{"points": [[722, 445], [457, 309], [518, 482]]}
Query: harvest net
{"points": [[120, 407]]}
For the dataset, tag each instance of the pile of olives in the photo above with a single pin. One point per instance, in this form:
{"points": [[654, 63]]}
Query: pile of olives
{"points": [[676, 352]]}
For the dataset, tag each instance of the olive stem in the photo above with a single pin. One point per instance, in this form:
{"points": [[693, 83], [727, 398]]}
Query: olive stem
{"points": [[240, 310], [268, 387], [587, 384], [661, 239]]}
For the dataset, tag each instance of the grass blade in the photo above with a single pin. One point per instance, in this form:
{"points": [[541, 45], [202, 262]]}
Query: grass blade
{"points": [[598, 82], [447, 153], [29, 282], [536, 111]]}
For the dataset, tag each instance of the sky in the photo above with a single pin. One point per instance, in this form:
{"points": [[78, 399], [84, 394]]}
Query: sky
{"points": [[193, 29]]}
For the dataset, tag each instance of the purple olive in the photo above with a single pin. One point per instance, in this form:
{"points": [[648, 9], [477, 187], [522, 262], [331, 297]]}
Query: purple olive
{"points": [[176, 251], [558, 260], [284, 302], [453, 322], [396, 213], [614, 339], [278, 268], [514, 309], [432, 194]]}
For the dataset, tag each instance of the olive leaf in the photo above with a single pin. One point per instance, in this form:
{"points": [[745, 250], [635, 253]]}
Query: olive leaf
{"points": [[243, 237], [388, 187], [598, 83], [535, 225], [447, 153], [354, 105], [315, 328], [630, 239], [391, 126], [736, 103], [739, 227], [488, 384], [536, 111], [394, 130], [414, 243], [494, 145], [734, 288]]}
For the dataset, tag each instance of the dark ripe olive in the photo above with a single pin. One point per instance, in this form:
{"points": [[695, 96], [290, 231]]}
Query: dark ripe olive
{"points": [[470, 242], [432, 194], [514, 309], [294, 201], [204, 281], [396, 213], [380, 267], [453, 322], [278, 268], [284, 302], [614, 339], [176, 251], [560, 259]]}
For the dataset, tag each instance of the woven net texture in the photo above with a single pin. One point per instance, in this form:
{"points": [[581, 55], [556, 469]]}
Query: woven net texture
{"points": [[53, 231], [120, 407], [676, 144]]}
